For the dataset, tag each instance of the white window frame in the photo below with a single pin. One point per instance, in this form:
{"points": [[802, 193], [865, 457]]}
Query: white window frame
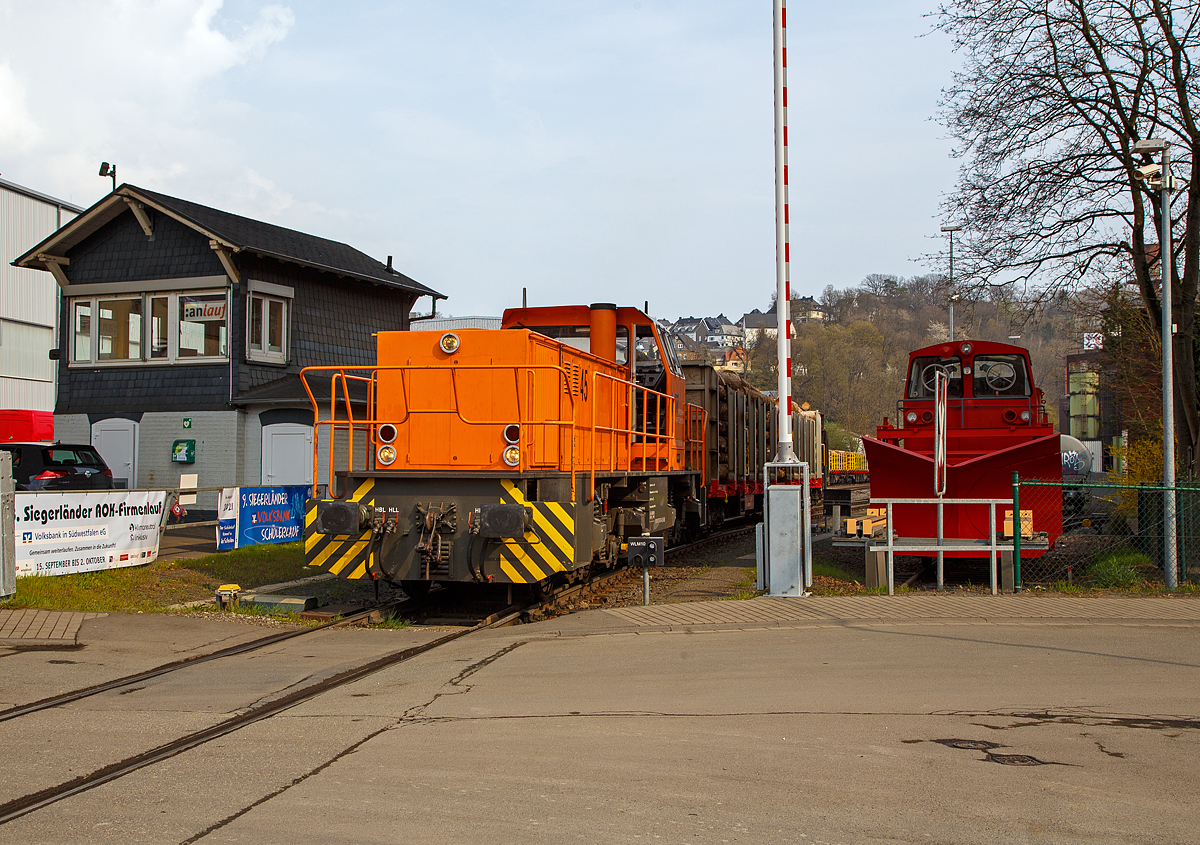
{"points": [[262, 352], [172, 357]]}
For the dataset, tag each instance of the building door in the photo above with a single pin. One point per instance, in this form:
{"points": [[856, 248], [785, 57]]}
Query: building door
{"points": [[117, 442], [287, 453]]}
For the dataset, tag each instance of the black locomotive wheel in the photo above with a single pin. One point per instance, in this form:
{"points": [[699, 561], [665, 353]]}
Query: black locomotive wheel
{"points": [[416, 589]]}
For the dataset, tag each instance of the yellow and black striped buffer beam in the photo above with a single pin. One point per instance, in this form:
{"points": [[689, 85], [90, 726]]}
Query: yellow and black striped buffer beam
{"points": [[344, 555], [547, 548]]}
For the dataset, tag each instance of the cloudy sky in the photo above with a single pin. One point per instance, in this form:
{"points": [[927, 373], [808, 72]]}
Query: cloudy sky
{"points": [[589, 150]]}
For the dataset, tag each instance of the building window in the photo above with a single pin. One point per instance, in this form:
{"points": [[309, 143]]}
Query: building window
{"points": [[183, 327], [266, 330], [120, 329], [202, 325]]}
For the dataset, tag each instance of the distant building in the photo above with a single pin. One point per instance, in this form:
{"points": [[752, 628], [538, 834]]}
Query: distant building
{"points": [[763, 325], [447, 324], [28, 299]]}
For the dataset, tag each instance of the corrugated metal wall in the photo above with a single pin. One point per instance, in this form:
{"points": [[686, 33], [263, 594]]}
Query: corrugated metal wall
{"points": [[28, 303]]}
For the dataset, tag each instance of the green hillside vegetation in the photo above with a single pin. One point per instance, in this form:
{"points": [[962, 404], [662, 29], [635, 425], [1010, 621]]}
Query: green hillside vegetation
{"points": [[853, 366]]}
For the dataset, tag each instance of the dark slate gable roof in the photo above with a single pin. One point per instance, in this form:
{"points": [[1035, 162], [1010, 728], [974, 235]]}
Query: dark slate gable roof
{"points": [[288, 244], [241, 233]]}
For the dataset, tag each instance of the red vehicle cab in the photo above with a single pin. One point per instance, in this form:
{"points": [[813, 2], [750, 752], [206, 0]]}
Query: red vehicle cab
{"points": [[996, 424]]}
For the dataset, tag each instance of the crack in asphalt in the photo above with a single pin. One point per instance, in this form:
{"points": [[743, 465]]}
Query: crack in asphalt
{"points": [[409, 716], [350, 749]]}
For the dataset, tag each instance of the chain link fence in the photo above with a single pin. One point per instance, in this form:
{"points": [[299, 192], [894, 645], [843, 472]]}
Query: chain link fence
{"points": [[1112, 534]]}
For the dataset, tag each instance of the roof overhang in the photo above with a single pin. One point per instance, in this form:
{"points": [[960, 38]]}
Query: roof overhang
{"points": [[51, 254]]}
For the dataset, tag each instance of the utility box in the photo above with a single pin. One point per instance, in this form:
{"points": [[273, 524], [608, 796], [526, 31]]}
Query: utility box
{"points": [[645, 551], [8, 507], [184, 452]]}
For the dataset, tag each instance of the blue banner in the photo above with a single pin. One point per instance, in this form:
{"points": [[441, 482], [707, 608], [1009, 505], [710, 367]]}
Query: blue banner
{"points": [[252, 516]]}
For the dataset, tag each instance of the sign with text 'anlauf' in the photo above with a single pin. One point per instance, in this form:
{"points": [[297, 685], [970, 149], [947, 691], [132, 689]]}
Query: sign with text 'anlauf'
{"points": [[61, 533]]}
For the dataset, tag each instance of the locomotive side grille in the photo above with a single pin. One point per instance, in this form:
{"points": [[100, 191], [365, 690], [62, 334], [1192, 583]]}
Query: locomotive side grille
{"points": [[574, 380]]}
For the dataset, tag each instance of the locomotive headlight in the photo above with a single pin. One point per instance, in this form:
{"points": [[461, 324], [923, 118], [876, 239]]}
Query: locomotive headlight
{"points": [[512, 456], [386, 455], [966, 348], [1024, 416], [449, 343], [386, 433], [911, 416], [512, 433]]}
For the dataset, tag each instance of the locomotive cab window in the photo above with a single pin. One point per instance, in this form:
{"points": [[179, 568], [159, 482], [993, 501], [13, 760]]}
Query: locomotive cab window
{"points": [[1000, 375], [651, 369], [922, 377], [580, 337]]}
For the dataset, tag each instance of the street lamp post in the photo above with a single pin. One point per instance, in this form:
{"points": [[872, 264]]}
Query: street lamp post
{"points": [[1170, 552], [953, 295]]}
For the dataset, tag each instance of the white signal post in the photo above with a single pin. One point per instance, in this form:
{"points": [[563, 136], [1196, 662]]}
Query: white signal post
{"points": [[783, 290]]}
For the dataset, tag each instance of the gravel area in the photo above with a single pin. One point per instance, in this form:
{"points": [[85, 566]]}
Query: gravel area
{"points": [[720, 569]]}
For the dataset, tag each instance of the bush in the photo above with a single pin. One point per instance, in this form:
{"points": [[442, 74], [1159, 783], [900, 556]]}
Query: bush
{"points": [[1119, 569]]}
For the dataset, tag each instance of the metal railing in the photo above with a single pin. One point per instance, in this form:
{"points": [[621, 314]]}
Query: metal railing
{"points": [[369, 423], [939, 544]]}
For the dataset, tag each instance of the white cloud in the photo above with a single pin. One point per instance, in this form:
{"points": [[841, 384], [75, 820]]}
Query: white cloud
{"points": [[18, 130]]}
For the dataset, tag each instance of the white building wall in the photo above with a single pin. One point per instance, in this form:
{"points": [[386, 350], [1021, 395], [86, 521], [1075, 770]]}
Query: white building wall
{"points": [[28, 300]]}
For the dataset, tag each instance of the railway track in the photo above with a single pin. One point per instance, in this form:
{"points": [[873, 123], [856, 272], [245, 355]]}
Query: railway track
{"points": [[549, 606], [511, 615]]}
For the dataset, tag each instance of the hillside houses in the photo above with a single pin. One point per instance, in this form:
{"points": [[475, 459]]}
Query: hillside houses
{"points": [[724, 342]]}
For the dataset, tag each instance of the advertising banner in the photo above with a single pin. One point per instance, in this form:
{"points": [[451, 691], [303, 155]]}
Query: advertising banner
{"points": [[252, 516], [61, 533]]}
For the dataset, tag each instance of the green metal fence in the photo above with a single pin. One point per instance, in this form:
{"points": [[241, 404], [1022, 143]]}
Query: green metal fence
{"points": [[1112, 534]]}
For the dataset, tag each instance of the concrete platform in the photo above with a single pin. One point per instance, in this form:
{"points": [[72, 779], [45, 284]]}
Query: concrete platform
{"points": [[914, 607], [26, 629]]}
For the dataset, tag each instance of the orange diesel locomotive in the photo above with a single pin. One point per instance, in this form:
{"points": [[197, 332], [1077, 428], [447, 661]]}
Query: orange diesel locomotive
{"points": [[521, 455]]}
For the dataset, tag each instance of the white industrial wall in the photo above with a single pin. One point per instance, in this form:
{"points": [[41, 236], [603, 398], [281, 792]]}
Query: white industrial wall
{"points": [[28, 302]]}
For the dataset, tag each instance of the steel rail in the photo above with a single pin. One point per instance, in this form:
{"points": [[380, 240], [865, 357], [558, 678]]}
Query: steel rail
{"points": [[19, 807]]}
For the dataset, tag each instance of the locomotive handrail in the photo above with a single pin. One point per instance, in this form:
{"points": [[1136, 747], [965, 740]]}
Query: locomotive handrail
{"points": [[961, 403], [665, 411], [370, 424]]}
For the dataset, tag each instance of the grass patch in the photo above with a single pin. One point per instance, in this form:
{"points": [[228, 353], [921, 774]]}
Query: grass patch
{"points": [[828, 570], [746, 588], [155, 587], [1118, 569], [392, 623]]}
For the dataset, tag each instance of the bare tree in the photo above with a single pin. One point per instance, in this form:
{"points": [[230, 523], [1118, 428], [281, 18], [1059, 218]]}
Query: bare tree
{"points": [[1052, 97]]}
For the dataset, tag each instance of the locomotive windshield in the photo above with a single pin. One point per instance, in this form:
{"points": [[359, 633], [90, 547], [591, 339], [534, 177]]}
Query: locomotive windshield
{"points": [[922, 376], [1000, 375]]}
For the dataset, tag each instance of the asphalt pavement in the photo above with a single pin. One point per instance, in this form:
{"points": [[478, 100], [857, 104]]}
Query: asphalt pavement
{"points": [[863, 719]]}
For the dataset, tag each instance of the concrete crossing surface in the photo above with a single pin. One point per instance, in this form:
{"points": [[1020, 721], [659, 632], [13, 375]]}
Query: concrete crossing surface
{"points": [[913, 607]]}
